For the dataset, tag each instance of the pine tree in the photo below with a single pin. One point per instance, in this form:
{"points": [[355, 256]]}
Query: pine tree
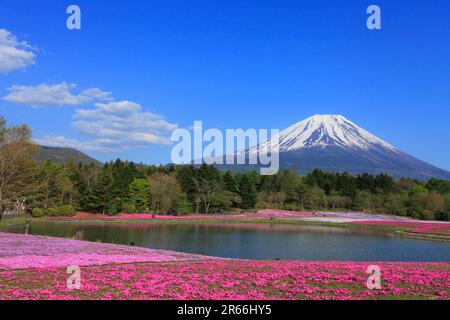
{"points": [[139, 194], [103, 194], [230, 183], [347, 185], [247, 191]]}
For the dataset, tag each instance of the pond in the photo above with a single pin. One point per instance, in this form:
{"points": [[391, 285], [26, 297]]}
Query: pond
{"points": [[254, 241]]}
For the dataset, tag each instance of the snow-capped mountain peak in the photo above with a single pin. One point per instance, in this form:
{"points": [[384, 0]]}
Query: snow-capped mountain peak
{"points": [[329, 130], [333, 143]]}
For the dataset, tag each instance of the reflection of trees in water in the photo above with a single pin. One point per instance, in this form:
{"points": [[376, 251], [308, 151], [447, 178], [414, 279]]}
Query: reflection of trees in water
{"points": [[271, 227], [251, 240]]}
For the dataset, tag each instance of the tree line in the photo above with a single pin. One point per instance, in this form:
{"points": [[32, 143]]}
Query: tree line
{"points": [[125, 187]]}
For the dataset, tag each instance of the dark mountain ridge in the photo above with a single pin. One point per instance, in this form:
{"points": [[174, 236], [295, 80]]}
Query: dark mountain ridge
{"points": [[64, 155]]}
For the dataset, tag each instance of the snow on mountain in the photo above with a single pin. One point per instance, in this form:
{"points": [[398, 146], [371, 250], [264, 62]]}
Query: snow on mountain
{"points": [[327, 130], [335, 144]]}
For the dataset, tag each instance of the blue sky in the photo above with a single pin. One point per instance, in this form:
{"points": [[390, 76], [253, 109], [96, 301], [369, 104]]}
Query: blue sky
{"points": [[231, 64]]}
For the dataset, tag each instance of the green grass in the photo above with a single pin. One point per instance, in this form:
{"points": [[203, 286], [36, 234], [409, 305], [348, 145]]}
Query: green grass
{"points": [[12, 221]]}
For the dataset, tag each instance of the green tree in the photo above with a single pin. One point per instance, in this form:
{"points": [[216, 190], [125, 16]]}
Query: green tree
{"points": [[48, 180], [366, 182], [384, 183], [336, 201], [123, 174], [271, 199], [363, 201], [447, 202], [65, 186], [435, 201], [16, 161], [165, 192], [395, 204], [84, 178], [185, 179], [301, 194], [230, 183], [441, 186], [208, 184], [223, 200], [347, 185], [317, 198], [181, 204], [102, 197], [247, 192], [288, 181], [417, 201], [139, 194]]}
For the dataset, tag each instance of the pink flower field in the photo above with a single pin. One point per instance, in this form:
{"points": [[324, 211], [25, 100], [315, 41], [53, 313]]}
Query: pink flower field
{"points": [[23, 252], [439, 228], [231, 279], [34, 267], [260, 214]]}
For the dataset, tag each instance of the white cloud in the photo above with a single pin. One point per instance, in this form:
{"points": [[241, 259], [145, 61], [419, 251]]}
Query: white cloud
{"points": [[115, 126], [61, 94], [94, 94], [14, 54], [60, 141], [123, 121]]}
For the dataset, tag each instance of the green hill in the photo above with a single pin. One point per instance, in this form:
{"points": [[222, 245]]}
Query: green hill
{"points": [[63, 155]]}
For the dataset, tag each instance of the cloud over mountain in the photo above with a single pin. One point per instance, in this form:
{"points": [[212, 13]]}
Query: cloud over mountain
{"points": [[115, 126], [107, 126], [61, 94]]}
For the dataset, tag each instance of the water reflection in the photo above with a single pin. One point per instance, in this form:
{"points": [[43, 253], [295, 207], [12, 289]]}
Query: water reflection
{"points": [[253, 240]]}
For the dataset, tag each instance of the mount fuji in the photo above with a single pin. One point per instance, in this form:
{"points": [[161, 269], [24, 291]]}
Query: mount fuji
{"points": [[335, 144]]}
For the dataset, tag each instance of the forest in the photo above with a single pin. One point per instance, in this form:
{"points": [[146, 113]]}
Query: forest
{"points": [[119, 186]]}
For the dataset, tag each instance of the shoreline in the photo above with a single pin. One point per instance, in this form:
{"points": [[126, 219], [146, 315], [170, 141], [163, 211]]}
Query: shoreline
{"points": [[397, 227]]}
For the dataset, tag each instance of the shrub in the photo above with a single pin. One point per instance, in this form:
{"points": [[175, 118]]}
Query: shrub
{"points": [[111, 210], [64, 210], [415, 213], [182, 205], [428, 215], [129, 208], [442, 216], [38, 212], [53, 211], [290, 207]]}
